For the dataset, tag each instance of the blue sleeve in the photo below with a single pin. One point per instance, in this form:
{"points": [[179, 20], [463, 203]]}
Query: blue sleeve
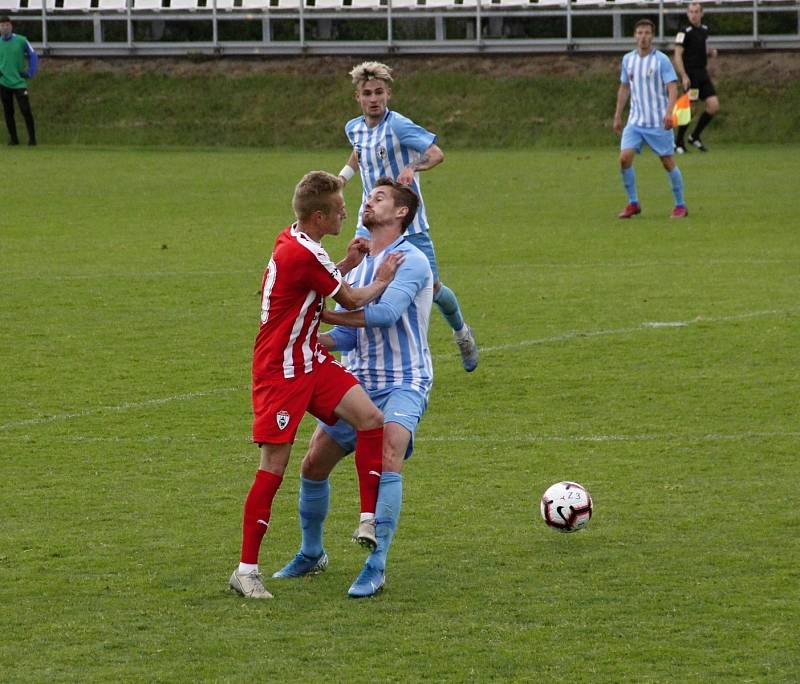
{"points": [[410, 134], [668, 74], [344, 338], [409, 279], [623, 76], [33, 60]]}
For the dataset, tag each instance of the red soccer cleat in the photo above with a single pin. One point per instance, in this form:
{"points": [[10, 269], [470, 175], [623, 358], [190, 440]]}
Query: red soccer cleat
{"points": [[679, 212], [630, 210]]}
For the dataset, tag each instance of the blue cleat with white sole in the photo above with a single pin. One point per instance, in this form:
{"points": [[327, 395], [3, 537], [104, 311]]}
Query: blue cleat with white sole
{"points": [[302, 565], [368, 583]]}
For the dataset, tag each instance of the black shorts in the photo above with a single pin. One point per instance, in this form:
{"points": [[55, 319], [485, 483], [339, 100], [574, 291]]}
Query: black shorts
{"points": [[702, 81]]}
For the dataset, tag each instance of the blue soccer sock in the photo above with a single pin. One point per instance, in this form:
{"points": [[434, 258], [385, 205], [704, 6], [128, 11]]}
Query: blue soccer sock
{"points": [[676, 180], [313, 509], [447, 302], [387, 513], [629, 181]]}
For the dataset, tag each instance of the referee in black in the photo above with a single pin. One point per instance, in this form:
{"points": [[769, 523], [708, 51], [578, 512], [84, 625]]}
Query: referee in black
{"points": [[691, 57]]}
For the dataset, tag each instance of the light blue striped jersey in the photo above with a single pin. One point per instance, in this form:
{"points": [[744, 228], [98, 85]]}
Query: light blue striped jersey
{"points": [[393, 351], [647, 77], [385, 150]]}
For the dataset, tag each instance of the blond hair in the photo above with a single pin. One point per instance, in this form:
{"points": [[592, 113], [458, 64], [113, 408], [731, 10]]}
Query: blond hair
{"points": [[314, 193], [368, 71]]}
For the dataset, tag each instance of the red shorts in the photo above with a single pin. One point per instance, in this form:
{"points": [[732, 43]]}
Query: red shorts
{"points": [[279, 405]]}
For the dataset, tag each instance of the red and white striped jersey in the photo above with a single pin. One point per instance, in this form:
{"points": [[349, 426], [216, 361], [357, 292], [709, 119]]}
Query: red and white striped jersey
{"points": [[299, 276]]}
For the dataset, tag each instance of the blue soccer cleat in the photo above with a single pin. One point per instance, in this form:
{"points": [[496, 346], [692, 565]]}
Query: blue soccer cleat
{"points": [[468, 349], [302, 565], [368, 583]]}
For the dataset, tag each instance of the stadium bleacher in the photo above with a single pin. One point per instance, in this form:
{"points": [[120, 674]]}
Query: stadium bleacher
{"points": [[485, 25]]}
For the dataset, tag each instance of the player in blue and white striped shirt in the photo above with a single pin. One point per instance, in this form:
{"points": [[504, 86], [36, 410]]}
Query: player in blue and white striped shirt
{"points": [[649, 78], [386, 347], [388, 144]]}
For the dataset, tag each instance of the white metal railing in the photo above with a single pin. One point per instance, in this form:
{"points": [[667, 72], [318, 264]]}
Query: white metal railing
{"points": [[479, 22]]}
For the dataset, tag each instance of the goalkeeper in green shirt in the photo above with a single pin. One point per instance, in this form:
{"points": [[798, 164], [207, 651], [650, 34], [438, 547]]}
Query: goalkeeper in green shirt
{"points": [[14, 52]]}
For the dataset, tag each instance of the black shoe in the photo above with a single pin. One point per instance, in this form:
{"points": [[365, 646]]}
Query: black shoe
{"points": [[32, 143], [11, 143], [696, 142]]}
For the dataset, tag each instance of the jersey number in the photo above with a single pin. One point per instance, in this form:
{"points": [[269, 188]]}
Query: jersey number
{"points": [[269, 283]]}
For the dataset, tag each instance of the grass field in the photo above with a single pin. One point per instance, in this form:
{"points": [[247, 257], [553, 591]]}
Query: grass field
{"points": [[654, 361]]}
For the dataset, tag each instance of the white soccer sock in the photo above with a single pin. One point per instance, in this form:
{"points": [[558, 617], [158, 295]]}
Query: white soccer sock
{"points": [[366, 516], [461, 334], [245, 568]]}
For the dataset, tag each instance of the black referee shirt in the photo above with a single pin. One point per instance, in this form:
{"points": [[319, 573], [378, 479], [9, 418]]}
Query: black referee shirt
{"points": [[693, 39]]}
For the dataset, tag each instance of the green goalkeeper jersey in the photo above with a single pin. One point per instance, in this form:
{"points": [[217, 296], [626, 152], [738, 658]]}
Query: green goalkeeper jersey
{"points": [[13, 52]]}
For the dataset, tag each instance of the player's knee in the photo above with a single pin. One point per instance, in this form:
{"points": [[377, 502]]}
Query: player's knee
{"points": [[370, 419], [712, 106], [311, 469]]}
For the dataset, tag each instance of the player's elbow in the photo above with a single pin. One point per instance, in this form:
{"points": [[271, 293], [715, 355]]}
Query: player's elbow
{"points": [[381, 316], [351, 298]]}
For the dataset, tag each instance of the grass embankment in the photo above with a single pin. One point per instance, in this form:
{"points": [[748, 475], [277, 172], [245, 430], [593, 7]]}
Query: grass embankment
{"points": [[305, 105]]}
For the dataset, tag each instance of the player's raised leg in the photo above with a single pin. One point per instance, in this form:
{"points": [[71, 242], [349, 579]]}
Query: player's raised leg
{"points": [[358, 410], [446, 300]]}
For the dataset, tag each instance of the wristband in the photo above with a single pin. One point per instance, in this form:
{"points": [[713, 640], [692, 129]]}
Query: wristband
{"points": [[347, 172]]}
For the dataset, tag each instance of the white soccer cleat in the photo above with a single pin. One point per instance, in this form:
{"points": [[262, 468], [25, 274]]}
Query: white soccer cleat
{"points": [[469, 350], [249, 584], [365, 534]]}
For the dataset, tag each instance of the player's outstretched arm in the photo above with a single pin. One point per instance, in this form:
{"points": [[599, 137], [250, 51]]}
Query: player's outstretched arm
{"points": [[357, 297]]}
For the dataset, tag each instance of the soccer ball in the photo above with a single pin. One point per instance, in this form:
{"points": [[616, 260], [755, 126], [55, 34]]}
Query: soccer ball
{"points": [[566, 506]]}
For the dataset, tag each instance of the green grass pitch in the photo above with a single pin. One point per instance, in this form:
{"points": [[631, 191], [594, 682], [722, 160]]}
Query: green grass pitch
{"points": [[653, 361]]}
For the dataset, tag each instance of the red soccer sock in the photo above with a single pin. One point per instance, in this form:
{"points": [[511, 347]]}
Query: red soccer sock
{"points": [[369, 465], [257, 510]]}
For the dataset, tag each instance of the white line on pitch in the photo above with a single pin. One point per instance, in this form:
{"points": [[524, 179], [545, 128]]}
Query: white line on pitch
{"points": [[514, 345], [127, 406], [626, 331]]}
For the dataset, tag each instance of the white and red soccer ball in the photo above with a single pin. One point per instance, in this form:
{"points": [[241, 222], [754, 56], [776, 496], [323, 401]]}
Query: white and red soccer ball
{"points": [[566, 506]]}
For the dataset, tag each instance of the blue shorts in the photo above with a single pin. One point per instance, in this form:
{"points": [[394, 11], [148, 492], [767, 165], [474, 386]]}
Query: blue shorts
{"points": [[659, 140], [399, 405], [423, 242]]}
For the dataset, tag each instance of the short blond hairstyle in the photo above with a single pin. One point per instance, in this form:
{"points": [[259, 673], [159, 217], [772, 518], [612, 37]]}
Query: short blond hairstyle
{"points": [[368, 71], [314, 192]]}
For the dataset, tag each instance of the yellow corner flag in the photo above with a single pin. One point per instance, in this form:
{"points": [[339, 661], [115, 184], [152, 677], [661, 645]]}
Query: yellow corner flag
{"points": [[682, 112]]}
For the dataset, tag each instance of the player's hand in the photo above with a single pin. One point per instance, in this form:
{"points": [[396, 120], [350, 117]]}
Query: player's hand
{"points": [[356, 250], [406, 176], [686, 83], [617, 124], [668, 121], [388, 268]]}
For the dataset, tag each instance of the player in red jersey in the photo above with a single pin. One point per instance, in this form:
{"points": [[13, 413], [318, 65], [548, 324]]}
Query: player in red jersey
{"points": [[292, 373]]}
